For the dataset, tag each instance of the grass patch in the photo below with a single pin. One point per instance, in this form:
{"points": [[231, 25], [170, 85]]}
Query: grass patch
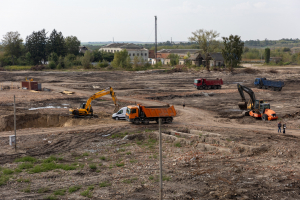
{"points": [[122, 150], [128, 153], [17, 68], [139, 143], [60, 192], [86, 193], [26, 165], [17, 170], [44, 167], [166, 178], [26, 159], [23, 180], [74, 188], [133, 161], [27, 190], [155, 156], [7, 171], [177, 144], [85, 154], [129, 180], [148, 130], [91, 187], [119, 135], [102, 158], [120, 164], [93, 166], [51, 197], [3, 179], [51, 159], [228, 140], [104, 184], [151, 177], [43, 190]]}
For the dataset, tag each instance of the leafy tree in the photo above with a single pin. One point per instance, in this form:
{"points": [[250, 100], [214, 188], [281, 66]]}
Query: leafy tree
{"points": [[36, 45], [108, 56], [233, 50], [56, 43], [53, 57], [206, 41], [136, 62], [72, 45], [12, 43], [174, 59], [267, 55], [28, 58], [86, 59], [97, 56], [121, 59]]}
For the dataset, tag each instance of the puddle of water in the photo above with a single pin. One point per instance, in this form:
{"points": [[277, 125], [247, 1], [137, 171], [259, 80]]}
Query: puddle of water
{"points": [[46, 107]]}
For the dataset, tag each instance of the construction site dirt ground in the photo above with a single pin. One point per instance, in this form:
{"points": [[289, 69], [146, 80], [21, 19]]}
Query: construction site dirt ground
{"points": [[210, 151]]}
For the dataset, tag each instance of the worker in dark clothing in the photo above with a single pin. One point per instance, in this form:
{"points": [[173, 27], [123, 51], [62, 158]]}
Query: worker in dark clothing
{"points": [[284, 127], [279, 127], [183, 104]]}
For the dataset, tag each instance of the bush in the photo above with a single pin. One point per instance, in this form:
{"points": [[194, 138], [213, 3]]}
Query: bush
{"points": [[38, 68], [52, 65], [103, 64], [93, 166]]}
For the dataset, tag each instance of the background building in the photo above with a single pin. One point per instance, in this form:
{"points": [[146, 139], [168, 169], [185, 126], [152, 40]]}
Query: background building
{"points": [[133, 49]]}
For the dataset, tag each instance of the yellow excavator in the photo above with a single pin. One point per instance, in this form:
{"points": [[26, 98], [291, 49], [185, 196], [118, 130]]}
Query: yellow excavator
{"points": [[85, 109]]}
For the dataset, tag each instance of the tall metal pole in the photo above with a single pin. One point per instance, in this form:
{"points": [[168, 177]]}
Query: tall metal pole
{"points": [[15, 123], [155, 38], [160, 164]]}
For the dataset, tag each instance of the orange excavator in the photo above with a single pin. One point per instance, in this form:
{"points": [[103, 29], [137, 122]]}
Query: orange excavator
{"points": [[255, 108]]}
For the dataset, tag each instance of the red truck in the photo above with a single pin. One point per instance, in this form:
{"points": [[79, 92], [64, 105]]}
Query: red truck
{"points": [[206, 84]]}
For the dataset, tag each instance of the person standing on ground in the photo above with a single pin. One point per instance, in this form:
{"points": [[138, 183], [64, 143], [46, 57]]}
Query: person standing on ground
{"points": [[284, 127], [279, 127], [183, 104]]}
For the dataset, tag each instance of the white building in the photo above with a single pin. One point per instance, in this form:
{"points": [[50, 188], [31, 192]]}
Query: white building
{"points": [[132, 49]]}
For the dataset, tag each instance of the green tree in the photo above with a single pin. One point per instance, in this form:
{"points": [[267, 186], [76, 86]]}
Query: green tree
{"points": [[174, 59], [28, 58], [97, 55], [121, 59], [72, 45], [53, 57], [233, 50], [108, 56], [86, 60], [267, 55], [206, 41], [12, 43], [56, 43], [36, 45]]}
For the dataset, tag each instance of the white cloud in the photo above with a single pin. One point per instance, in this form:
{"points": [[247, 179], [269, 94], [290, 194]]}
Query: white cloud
{"points": [[260, 4]]}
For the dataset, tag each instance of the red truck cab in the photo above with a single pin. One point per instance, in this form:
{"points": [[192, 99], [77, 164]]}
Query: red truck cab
{"points": [[206, 84]]}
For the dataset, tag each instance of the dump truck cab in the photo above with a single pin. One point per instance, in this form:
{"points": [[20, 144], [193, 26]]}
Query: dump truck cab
{"points": [[132, 112]]}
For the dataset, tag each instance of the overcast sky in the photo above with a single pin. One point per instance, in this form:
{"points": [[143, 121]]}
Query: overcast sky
{"points": [[133, 20]]}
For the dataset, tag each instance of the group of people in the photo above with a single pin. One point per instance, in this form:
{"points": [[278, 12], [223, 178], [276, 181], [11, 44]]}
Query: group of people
{"points": [[279, 127]]}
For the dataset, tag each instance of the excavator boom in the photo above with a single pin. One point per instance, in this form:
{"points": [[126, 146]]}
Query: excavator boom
{"points": [[241, 89]]}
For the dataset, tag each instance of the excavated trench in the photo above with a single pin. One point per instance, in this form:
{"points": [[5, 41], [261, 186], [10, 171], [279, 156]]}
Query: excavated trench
{"points": [[33, 121]]}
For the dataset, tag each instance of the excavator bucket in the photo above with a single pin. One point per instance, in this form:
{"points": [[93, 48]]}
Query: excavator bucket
{"points": [[242, 105], [117, 108]]}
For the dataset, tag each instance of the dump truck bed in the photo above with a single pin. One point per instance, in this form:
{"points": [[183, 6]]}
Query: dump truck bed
{"points": [[159, 111]]}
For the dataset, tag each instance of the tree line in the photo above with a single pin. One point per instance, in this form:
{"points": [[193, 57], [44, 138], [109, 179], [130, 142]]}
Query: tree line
{"points": [[39, 48]]}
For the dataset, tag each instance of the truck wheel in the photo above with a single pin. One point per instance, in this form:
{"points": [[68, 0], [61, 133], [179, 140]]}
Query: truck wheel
{"points": [[136, 121], [200, 88], [264, 117], [169, 120], [205, 87], [274, 88], [219, 86], [117, 118], [146, 121], [280, 88]]}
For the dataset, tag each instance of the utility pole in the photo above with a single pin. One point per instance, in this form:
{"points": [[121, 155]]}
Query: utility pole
{"points": [[160, 164], [155, 38], [15, 123]]}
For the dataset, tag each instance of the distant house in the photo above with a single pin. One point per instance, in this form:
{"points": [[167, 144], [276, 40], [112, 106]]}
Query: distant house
{"points": [[275, 59], [216, 59], [164, 53], [196, 59], [295, 50], [132, 49], [83, 49]]}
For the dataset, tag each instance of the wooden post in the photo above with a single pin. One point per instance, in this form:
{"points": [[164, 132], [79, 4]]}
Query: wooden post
{"points": [[160, 164], [15, 123]]}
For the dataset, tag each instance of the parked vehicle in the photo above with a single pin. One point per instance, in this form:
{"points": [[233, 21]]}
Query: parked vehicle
{"points": [[206, 84], [265, 84], [120, 114], [144, 114]]}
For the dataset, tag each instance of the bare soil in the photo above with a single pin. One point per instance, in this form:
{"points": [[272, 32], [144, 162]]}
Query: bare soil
{"points": [[210, 151]]}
